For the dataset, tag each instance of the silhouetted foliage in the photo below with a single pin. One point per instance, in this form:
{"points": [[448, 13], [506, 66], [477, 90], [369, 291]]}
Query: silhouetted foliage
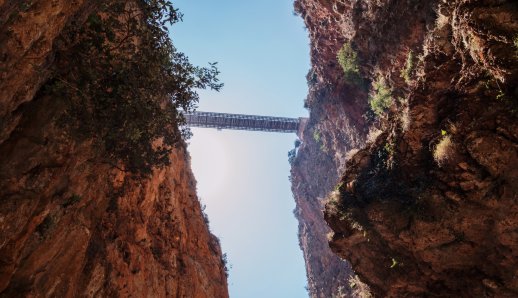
{"points": [[293, 152], [125, 83], [291, 155], [224, 261]]}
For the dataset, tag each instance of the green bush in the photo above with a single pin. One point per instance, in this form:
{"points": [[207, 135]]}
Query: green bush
{"points": [[316, 135], [408, 71], [381, 99], [124, 83], [348, 60]]}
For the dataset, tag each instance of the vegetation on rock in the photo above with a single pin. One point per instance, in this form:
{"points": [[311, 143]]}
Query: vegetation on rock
{"points": [[408, 71], [392, 187], [381, 99], [348, 60], [360, 289], [443, 150], [293, 152], [124, 83]]}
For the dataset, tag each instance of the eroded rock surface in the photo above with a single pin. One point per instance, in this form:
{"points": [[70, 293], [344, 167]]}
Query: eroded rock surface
{"points": [[71, 223], [413, 220]]}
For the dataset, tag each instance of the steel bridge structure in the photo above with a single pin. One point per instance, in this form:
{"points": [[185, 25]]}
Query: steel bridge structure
{"points": [[245, 122]]}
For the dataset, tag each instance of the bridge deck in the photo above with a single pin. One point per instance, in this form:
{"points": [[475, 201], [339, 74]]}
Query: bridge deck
{"points": [[242, 122]]}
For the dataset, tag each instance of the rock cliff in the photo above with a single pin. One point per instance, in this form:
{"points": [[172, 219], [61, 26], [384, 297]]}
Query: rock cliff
{"points": [[419, 152], [71, 223]]}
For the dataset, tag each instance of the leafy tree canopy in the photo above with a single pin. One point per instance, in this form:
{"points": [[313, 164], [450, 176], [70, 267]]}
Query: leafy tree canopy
{"points": [[125, 84]]}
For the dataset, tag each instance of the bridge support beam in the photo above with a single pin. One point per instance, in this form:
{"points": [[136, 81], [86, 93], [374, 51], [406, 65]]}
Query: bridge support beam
{"points": [[244, 122]]}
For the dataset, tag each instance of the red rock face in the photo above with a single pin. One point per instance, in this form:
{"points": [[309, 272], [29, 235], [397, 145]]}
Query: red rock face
{"points": [[335, 127], [70, 223], [412, 219]]}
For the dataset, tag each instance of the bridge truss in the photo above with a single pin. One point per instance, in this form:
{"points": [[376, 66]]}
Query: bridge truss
{"points": [[243, 122]]}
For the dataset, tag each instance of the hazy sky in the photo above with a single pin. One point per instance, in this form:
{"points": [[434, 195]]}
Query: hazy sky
{"points": [[263, 55]]}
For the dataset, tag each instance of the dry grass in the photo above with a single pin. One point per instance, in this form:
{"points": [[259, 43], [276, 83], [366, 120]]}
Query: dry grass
{"points": [[351, 153], [405, 119], [340, 293], [373, 135], [333, 204], [359, 289], [443, 150], [452, 128], [442, 21], [333, 198]]}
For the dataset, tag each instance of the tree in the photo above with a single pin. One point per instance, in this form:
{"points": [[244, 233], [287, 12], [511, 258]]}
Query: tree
{"points": [[125, 85]]}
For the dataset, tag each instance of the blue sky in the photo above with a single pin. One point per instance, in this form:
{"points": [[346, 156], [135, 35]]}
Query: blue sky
{"points": [[263, 55]]}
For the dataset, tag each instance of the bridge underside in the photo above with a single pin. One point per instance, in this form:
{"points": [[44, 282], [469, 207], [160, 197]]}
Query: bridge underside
{"points": [[242, 122]]}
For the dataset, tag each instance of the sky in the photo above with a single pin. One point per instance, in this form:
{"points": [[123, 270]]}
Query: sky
{"points": [[242, 176]]}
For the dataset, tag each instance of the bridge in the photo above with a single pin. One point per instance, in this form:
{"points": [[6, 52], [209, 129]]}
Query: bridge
{"points": [[246, 122]]}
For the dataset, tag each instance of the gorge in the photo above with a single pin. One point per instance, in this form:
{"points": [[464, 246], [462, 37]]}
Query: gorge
{"points": [[405, 182]]}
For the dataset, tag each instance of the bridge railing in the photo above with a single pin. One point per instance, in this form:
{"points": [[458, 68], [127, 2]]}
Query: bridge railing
{"points": [[242, 122]]}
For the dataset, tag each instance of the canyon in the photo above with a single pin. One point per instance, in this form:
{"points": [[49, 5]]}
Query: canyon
{"points": [[72, 223], [405, 182], [420, 197]]}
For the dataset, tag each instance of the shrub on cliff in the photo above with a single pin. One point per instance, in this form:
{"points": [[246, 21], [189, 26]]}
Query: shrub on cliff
{"points": [[408, 71], [316, 135], [291, 155], [348, 60], [124, 82], [443, 150], [359, 289], [381, 98]]}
